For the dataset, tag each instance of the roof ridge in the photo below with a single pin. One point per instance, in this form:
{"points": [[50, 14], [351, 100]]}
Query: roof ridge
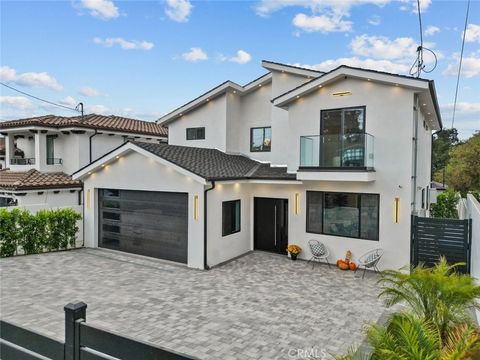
{"points": [[253, 169]]}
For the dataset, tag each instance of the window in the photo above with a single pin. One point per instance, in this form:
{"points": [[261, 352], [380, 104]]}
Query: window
{"points": [[50, 149], [343, 137], [260, 139], [196, 133], [343, 214], [230, 217]]}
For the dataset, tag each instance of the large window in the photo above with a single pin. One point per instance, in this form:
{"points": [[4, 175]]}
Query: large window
{"points": [[230, 217], [196, 133], [343, 214], [260, 139], [343, 139]]}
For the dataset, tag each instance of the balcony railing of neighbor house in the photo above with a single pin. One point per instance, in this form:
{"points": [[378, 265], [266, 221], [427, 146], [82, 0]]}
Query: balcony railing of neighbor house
{"points": [[54, 161], [22, 161], [339, 151]]}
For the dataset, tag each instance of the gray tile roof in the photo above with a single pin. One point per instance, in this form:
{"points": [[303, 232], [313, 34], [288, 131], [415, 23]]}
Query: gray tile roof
{"points": [[213, 164]]}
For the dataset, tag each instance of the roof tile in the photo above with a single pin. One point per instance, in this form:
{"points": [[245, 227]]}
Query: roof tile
{"points": [[34, 179]]}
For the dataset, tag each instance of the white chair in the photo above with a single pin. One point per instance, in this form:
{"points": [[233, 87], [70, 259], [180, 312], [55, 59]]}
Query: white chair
{"points": [[369, 260], [319, 252]]}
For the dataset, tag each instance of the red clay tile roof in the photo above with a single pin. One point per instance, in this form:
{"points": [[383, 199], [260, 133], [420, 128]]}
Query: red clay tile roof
{"points": [[91, 121], [35, 180]]}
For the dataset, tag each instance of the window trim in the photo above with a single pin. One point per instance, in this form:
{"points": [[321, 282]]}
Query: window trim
{"points": [[251, 138], [239, 215], [359, 214], [196, 134]]}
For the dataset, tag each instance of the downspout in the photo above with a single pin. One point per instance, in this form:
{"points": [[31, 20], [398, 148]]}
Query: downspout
{"points": [[205, 218], [90, 143], [415, 154]]}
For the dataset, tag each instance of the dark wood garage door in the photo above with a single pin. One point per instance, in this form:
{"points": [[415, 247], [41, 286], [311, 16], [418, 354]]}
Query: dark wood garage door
{"points": [[144, 222]]}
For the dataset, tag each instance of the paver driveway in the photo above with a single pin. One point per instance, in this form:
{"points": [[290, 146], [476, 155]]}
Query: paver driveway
{"points": [[261, 306]]}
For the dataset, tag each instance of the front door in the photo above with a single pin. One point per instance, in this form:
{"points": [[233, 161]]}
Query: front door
{"points": [[271, 224]]}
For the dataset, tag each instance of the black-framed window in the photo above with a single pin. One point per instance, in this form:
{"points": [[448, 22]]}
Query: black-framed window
{"points": [[197, 133], [261, 139], [51, 149], [231, 217], [354, 215]]}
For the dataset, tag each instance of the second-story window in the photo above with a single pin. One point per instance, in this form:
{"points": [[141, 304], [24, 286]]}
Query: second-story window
{"points": [[260, 139], [50, 149], [197, 133]]}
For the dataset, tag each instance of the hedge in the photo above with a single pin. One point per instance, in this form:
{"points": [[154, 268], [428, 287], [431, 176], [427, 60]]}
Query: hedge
{"points": [[46, 230]]}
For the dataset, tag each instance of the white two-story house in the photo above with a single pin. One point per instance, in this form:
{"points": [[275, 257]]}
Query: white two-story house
{"points": [[41, 153], [342, 157]]}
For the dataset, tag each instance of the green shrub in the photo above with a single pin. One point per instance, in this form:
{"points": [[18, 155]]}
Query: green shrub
{"points": [[446, 206], [47, 230]]}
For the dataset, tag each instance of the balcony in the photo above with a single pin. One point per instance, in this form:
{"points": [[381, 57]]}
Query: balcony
{"points": [[22, 161], [54, 161], [338, 157]]}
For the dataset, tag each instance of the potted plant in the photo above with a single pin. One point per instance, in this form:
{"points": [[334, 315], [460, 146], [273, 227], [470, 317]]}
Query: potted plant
{"points": [[294, 250]]}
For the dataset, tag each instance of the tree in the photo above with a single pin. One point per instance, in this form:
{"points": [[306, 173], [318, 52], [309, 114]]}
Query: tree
{"points": [[446, 206], [463, 168], [443, 141]]}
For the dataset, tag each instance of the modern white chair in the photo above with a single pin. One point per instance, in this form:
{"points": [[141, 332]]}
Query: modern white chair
{"points": [[369, 260], [319, 252]]}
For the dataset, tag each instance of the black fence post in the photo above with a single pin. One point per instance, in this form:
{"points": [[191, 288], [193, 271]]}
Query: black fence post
{"points": [[74, 313]]}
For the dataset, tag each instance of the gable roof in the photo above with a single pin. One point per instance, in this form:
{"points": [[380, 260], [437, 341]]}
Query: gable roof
{"points": [[354, 72], [208, 164], [91, 121], [35, 180], [298, 70]]}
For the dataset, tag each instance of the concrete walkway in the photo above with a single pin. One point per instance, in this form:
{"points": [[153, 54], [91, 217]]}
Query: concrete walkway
{"points": [[261, 306]]}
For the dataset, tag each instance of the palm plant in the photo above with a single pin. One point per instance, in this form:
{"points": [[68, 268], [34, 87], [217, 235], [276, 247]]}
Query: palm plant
{"points": [[438, 295]]}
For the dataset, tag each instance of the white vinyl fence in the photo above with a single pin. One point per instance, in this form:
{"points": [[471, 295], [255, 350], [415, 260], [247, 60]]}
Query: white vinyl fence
{"points": [[473, 209]]}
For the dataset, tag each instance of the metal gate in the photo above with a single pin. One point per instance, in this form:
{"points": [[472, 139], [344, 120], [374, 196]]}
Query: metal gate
{"points": [[432, 238]]}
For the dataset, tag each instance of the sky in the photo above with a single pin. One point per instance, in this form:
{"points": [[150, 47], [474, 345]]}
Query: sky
{"points": [[142, 59]]}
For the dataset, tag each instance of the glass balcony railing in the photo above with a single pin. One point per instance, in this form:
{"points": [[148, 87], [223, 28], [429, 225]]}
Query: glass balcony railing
{"points": [[22, 161], [337, 151], [54, 161]]}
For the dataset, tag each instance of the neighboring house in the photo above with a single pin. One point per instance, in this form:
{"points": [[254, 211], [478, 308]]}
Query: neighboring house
{"points": [[42, 152], [342, 157]]}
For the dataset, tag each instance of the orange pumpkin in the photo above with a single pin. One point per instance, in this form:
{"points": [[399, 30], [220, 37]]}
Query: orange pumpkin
{"points": [[339, 261], [343, 265], [353, 266]]}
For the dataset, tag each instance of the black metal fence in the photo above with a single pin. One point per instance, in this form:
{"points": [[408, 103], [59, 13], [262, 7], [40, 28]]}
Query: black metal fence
{"points": [[433, 237], [82, 342]]}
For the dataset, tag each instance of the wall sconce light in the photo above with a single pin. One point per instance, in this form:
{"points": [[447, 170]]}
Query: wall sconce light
{"points": [[396, 216], [342, 93], [195, 207], [296, 208], [88, 199]]}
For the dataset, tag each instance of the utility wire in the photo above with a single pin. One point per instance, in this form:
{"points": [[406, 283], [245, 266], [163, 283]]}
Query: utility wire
{"points": [[460, 64], [40, 99]]}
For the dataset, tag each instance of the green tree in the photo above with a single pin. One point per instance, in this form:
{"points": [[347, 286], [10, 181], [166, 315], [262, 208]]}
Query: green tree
{"points": [[446, 206], [443, 141], [463, 168]]}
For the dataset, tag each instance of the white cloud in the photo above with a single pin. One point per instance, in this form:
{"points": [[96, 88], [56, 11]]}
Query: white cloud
{"points": [[124, 44], [470, 66], [431, 30], [375, 20], [380, 65], [29, 79], [242, 57], [473, 33], [16, 102], [466, 117], [104, 9], [97, 109], [322, 23], [424, 5], [89, 91], [69, 101], [178, 10], [195, 54]]}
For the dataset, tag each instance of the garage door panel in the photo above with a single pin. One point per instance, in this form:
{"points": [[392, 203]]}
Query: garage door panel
{"points": [[146, 223]]}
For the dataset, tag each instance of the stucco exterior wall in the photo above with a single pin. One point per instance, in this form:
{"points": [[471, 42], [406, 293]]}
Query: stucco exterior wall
{"points": [[124, 174], [212, 116]]}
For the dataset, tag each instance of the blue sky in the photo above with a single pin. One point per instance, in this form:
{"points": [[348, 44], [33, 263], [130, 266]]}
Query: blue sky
{"points": [[144, 58]]}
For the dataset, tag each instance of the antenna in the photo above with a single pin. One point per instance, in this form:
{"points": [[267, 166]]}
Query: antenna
{"points": [[80, 106]]}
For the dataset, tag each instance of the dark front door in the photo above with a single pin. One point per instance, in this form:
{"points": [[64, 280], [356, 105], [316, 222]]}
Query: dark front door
{"points": [[271, 224], [144, 222]]}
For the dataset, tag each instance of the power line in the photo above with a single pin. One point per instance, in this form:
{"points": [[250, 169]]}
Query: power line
{"points": [[40, 99], [460, 64]]}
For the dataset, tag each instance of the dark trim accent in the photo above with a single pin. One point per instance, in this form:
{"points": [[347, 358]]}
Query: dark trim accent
{"points": [[251, 138], [40, 193], [66, 132], [111, 134], [79, 131], [205, 233], [90, 145], [4, 133], [294, 67], [20, 194], [56, 191], [18, 137], [240, 229], [334, 169], [33, 131], [43, 131], [433, 94], [359, 214], [197, 130]]}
